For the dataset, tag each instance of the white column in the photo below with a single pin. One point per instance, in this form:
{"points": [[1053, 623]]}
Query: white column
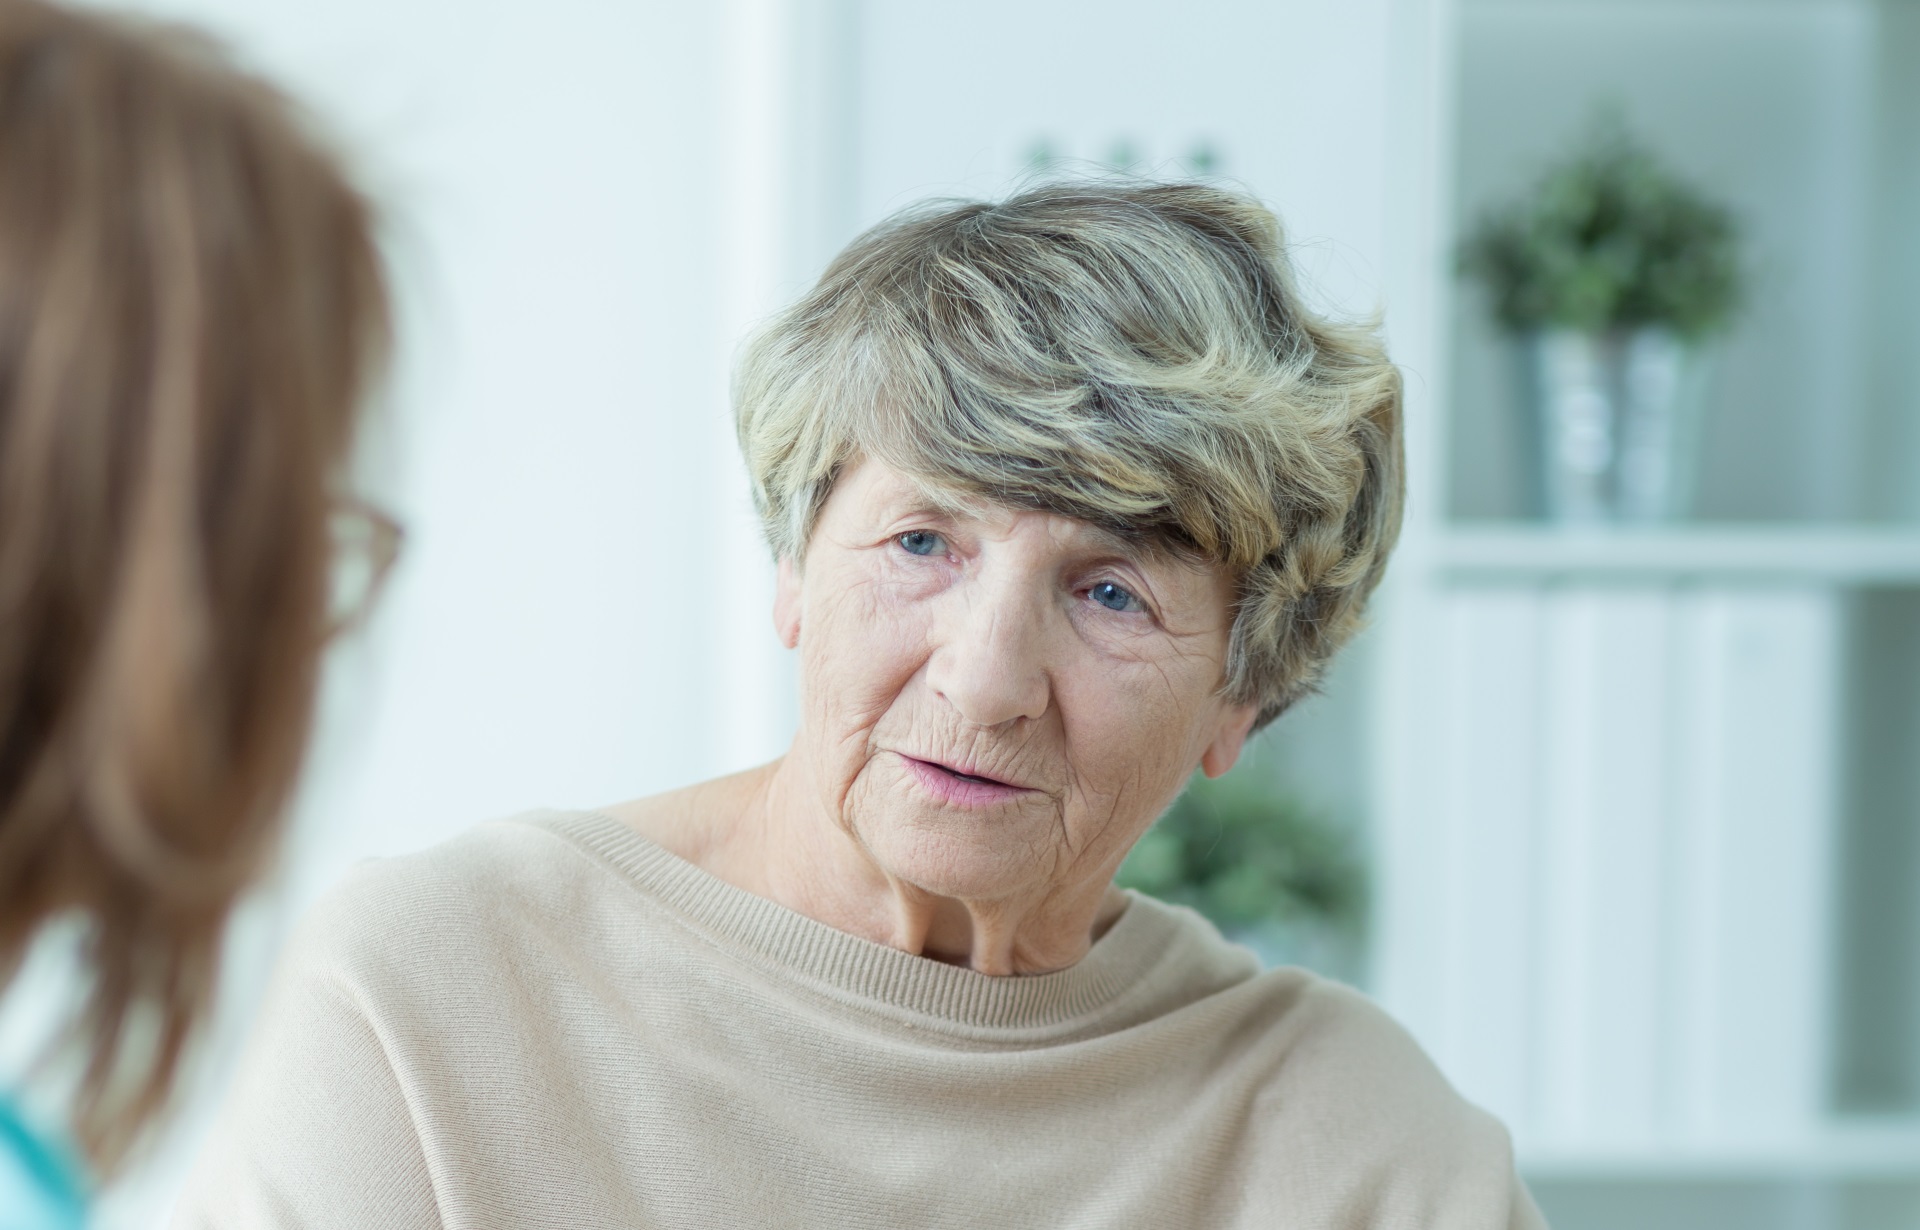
{"points": [[786, 140]]}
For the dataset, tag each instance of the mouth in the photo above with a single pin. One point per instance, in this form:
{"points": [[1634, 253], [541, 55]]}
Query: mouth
{"points": [[957, 785]]}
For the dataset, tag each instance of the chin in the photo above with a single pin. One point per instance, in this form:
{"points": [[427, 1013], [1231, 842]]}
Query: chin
{"points": [[985, 863]]}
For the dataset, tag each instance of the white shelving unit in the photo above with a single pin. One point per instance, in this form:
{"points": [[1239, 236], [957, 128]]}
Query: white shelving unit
{"points": [[1648, 801], [1843, 1152], [1631, 840], [1632, 822], [1852, 556]]}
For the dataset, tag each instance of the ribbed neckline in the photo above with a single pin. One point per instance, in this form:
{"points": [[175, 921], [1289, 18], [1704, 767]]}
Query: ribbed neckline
{"points": [[849, 967]]}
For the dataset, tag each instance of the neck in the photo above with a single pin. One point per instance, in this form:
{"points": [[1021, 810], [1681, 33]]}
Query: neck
{"points": [[777, 838]]}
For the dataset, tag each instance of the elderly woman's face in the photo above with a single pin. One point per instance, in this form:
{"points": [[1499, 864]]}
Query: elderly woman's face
{"points": [[1000, 702]]}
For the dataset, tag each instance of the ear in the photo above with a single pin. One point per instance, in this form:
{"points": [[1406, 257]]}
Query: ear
{"points": [[786, 603], [1235, 724]]}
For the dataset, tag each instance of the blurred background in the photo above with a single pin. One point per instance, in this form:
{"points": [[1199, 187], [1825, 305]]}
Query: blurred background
{"points": [[1617, 808]]}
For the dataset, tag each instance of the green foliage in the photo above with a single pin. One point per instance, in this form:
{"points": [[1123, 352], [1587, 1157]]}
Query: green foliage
{"points": [[1609, 239], [1243, 855]]}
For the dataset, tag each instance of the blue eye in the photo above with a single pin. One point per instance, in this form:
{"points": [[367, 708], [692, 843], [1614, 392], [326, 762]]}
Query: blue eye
{"points": [[1111, 596], [921, 542]]}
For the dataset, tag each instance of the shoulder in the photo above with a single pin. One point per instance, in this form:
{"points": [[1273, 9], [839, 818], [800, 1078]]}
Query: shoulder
{"points": [[1338, 1036], [1307, 1040], [406, 977], [463, 902], [1402, 1138], [1342, 1044], [499, 862]]}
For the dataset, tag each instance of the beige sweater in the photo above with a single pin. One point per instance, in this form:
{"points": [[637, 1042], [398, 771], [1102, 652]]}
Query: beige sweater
{"points": [[552, 1022]]}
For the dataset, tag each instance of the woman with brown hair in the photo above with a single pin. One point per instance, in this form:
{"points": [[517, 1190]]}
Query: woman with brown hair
{"points": [[192, 306]]}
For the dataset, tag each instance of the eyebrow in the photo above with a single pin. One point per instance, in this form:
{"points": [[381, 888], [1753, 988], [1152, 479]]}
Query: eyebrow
{"points": [[917, 497], [1121, 544]]}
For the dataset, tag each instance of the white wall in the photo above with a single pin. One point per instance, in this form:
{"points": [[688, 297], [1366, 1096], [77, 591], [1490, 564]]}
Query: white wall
{"points": [[548, 173], [1292, 95]]}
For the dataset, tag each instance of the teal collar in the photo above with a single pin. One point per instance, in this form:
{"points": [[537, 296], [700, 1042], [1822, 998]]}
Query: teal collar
{"points": [[41, 1180]]}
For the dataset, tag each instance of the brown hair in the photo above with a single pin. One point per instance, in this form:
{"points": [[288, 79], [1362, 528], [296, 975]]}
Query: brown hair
{"points": [[191, 306]]}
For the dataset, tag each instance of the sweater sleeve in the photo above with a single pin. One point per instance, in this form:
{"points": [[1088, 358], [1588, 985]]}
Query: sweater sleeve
{"points": [[1391, 1143], [316, 1131]]}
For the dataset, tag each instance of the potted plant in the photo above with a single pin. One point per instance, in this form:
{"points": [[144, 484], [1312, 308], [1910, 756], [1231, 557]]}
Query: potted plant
{"points": [[1269, 871], [1609, 276]]}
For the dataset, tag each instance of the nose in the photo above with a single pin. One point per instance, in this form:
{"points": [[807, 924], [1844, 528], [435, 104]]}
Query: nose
{"points": [[989, 659]]}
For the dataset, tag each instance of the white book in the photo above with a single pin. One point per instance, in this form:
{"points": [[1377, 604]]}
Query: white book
{"points": [[1757, 831], [1623, 859], [1603, 905], [1489, 808]]}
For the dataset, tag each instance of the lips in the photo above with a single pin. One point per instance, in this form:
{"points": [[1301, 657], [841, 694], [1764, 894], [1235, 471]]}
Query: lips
{"points": [[958, 786], [967, 776]]}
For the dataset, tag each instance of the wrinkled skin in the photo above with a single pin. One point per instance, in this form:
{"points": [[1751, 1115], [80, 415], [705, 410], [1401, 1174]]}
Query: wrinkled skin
{"points": [[995, 705]]}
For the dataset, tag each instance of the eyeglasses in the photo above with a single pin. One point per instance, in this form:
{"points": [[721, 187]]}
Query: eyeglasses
{"points": [[366, 542]]}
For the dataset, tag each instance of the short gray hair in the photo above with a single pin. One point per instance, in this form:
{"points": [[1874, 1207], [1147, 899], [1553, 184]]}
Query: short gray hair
{"points": [[1135, 356]]}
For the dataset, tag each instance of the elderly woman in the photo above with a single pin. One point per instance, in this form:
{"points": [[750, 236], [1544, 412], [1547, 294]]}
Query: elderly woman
{"points": [[1068, 495]]}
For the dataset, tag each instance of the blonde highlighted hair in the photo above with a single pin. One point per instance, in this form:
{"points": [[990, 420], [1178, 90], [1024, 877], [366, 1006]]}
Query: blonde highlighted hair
{"points": [[191, 307], [1135, 356]]}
